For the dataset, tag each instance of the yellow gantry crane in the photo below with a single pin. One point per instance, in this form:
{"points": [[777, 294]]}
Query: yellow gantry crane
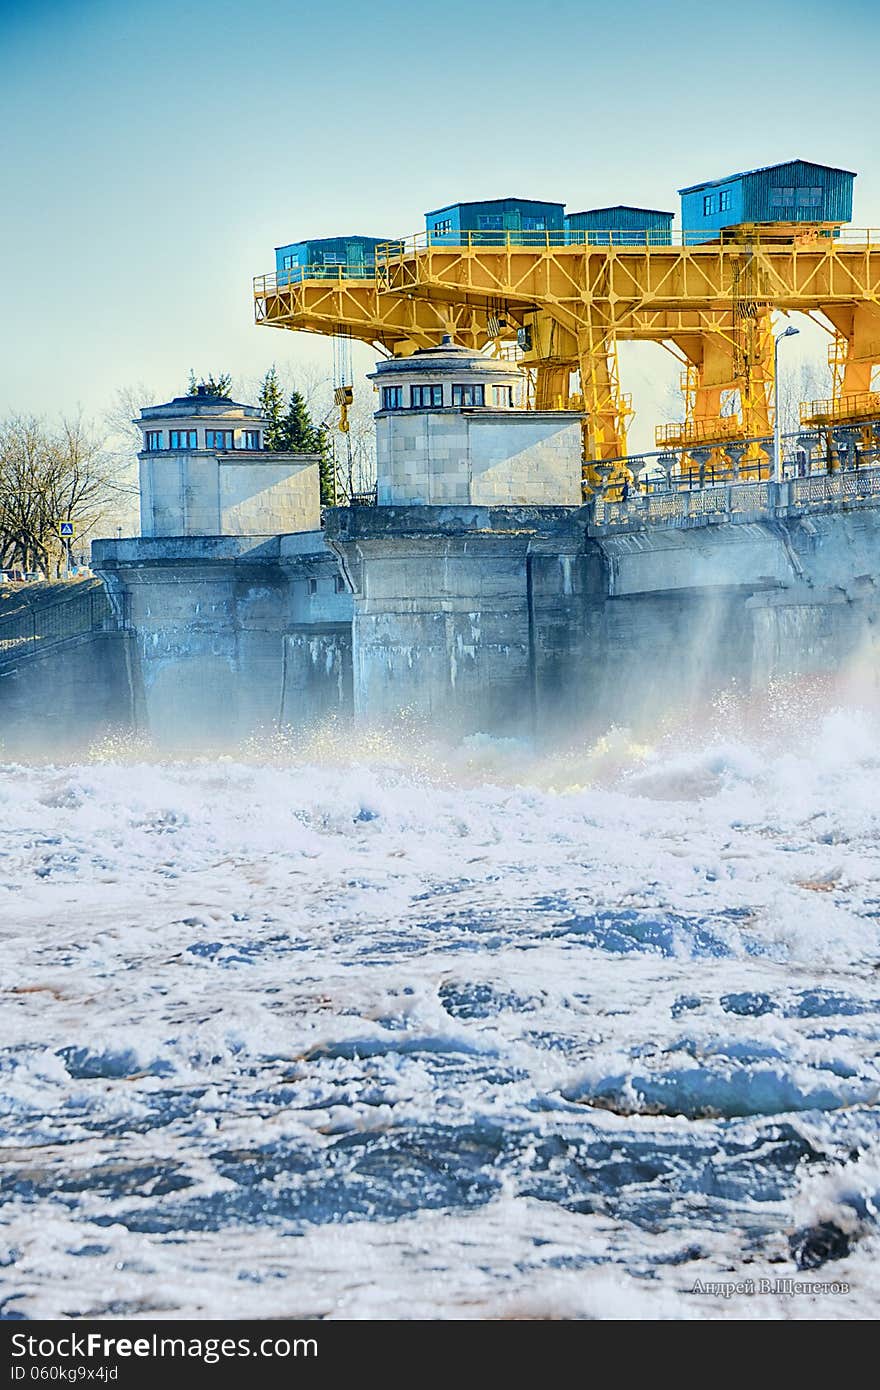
{"points": [[568, 303]]}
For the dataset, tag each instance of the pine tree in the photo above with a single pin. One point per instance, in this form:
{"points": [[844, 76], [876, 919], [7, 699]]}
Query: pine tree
{"points": [[326, 468], [272, 407], [215, 386], [297, 430], [302, 436]]}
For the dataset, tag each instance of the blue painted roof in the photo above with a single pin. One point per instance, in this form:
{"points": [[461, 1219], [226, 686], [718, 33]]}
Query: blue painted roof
{"points": [[321, 240], [484, 202], [763, 169], [622, 207]]}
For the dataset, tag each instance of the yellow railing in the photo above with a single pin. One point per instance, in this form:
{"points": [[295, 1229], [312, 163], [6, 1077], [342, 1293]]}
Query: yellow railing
{"points": [[711, 431], [768, 235], [283, 279], [860, 406]]}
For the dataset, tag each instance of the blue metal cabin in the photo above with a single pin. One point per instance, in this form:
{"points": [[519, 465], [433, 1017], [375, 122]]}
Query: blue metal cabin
{"points": [[521, 218], [794, 192], [351, 255], [619, 226]]}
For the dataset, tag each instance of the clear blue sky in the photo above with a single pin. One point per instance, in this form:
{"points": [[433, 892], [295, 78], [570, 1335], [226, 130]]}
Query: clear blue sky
{"points": [[154, 154]]}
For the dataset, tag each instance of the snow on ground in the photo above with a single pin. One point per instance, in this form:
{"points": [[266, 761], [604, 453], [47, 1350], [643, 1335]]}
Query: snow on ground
{"points": [[488, 1033]]}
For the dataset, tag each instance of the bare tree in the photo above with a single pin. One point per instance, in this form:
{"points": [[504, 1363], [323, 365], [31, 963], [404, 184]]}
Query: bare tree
{"points": [[123, 442], [46, 477]]}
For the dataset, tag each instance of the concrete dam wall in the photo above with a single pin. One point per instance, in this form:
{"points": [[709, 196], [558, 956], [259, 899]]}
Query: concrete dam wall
{"points": [[508, 620], [518, 621]]}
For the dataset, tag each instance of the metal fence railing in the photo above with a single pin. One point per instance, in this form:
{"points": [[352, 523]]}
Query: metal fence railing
{"points": [[38, 625], [672, 504], [772, 236]]}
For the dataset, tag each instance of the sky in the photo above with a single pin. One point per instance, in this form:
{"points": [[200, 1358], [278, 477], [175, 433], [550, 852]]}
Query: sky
{"points": [[155, 154]]}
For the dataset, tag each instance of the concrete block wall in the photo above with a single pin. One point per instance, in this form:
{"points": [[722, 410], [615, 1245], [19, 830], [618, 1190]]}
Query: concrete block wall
{"points": [[268, 497], [486, 458], [197, 493]]}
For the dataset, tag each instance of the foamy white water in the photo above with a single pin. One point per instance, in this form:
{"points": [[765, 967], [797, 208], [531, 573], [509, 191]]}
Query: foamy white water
{"points": [[485, 1034]]}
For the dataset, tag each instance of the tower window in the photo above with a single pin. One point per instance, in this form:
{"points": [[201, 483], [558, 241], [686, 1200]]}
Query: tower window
{"points": [[219, 439], [422, 397], [469, 395], [502, 395], [392, 398], [153, 441], [182, 439], [313, 586], [250, 439]]}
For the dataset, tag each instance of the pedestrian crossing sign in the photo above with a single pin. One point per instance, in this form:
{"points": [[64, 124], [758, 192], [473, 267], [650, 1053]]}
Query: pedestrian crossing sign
{"points": [[65, 530]]}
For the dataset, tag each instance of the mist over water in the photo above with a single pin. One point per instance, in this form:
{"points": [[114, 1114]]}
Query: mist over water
{"points": [[365, 1026]]}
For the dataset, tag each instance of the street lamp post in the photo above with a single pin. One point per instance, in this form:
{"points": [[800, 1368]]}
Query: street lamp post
{"points": [[777, 423]]}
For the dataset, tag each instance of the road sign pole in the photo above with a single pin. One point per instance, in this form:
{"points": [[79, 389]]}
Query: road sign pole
{"points": [[65, 531]]}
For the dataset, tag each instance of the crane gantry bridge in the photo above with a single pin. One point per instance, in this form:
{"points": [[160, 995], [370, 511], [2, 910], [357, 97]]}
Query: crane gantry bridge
{"points": [[561, 303]]}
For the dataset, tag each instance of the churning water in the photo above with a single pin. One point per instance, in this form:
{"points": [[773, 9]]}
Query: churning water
{"points": [[387, 1032]]}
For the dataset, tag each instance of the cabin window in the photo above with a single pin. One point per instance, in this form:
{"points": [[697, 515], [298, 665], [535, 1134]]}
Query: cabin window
{"points": [[182, 439], [724, 200], [490, 222], [782, 197], [153, 441], [421, 397], [392, 398], [534, 224], [709, 204], [288, 262], [809, 197], [219, 439], [469, 395], [443, 226]]}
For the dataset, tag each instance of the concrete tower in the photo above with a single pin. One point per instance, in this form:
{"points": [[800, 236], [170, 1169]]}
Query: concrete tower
{"points": [[451, 430], [204, 471]]}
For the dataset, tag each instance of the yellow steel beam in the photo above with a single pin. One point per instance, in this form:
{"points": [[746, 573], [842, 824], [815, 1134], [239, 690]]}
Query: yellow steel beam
{"points": [[711, 301], [342, 305], [611, 282]]}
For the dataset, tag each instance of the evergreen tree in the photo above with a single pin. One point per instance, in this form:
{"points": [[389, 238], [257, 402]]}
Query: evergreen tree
{"points": [[302, 436], [295, 432], [272, 407], [326, 468], [215, 386]]}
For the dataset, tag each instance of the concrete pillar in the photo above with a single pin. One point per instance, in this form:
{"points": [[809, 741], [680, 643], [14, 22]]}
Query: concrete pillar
{"points": [[450, 612], [231, 635]]}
